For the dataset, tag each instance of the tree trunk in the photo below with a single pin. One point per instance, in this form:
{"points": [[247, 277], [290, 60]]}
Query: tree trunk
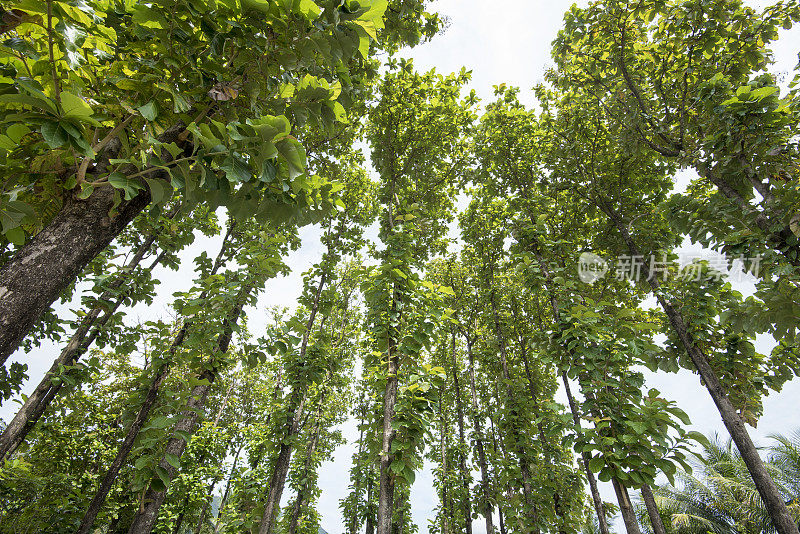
{"points": [[90, 327], [146, 516], [462, 456], [354, 523], [370, 522], [767, 489], [443, 455], [127, 444], [778, 239], [225, 494], [521, 454], [42, 269], [476, 423], [596, 500], [626, 508], [652, 510], [179, 522], [386, 486], [302, 494], [278, 479]]}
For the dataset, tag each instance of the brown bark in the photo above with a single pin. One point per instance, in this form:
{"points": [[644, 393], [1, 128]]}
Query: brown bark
{"points": [[278, 479], [302, 494], [593, 490], [147, 514], [626, 508], [225, 494], [90, 327], [476, 424], [127, 444], [779, 239], [445, 500], [521, 454], [386, 486], [652, 510], [370, 522], [767, 489], [42, 269], [462, 456]]}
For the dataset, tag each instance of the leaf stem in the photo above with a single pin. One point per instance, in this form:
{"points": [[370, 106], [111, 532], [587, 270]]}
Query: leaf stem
{"points": [[56, 85]]}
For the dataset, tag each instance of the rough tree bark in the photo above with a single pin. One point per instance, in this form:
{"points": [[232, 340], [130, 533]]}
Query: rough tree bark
{"points": [[462, 455], [40, 271], [626, 508], [89, 328], [521, 454], [652, 510], [297, 400], [597, 501], [302, 494]]}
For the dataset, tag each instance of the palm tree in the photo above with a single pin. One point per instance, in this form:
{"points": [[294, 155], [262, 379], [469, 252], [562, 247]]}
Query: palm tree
{"points": [[719, 497]]}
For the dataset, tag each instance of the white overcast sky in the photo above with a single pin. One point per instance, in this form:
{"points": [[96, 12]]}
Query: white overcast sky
{"points": [[503, 41]]}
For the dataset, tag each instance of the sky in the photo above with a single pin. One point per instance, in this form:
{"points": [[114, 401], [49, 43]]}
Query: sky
{"points": [[501, 41]]}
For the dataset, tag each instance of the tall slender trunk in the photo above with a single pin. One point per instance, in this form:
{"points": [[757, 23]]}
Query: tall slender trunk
{"points": [[302, 494], [90, 327], [176, 529], [354, 523], [781, 239], [278, 479], [127, 444], [462, 456], [626, 508], [476, 424], [767, 489], [42, 269], [521, 454], [494, 473], [146, 516], [147, 405], [652, 510], [597, 501], [210, 490], [443, 459], [386, 486], [225, 494], [370, 521]]}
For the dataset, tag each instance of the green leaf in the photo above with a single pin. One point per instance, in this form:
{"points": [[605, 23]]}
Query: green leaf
{"points": [[74, 107], [122, 182], [308, 9], [163, 475], [596, 464], [149, 111], [159, 190], [173, 460], [16, 132], [53, 134], [698, 437], [86, 191], [16, 236]]}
